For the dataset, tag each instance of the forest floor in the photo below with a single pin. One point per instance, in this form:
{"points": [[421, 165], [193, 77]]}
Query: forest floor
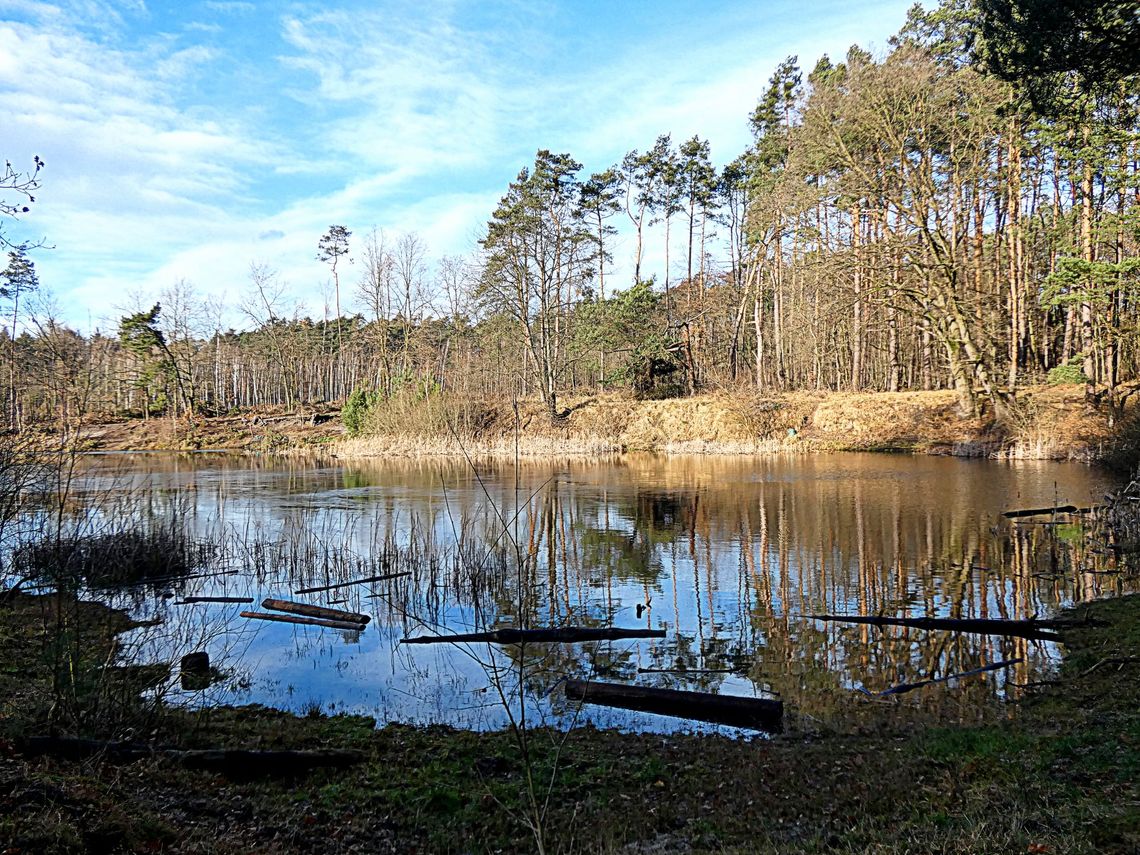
{"points": [[1054, 422], [1060, 774]]}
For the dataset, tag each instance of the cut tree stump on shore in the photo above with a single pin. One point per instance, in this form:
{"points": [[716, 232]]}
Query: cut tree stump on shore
{"points": [[308, 621], [309, 610], [383, 578], [565, 634], [1035, 630], [755, 713]]}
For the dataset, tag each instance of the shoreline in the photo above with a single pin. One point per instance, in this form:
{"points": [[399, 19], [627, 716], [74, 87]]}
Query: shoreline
{"points": [[1058, 424], [1055, 777]]}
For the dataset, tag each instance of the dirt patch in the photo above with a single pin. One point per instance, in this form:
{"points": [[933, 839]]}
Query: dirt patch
{"points": [[266, 431]]}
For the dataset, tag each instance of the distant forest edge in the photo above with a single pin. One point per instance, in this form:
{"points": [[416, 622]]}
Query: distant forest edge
{"points": [[960, 214]]}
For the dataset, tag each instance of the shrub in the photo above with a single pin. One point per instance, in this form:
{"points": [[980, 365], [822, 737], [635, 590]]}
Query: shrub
{"points": [[109, 560], [355, 412], [1067, 373]]}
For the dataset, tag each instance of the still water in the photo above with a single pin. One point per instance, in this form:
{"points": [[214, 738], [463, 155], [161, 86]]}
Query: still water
{"points": [[727, 555]]}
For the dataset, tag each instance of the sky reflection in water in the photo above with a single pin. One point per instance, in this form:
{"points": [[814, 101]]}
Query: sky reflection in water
{"points": [[725, 554]]}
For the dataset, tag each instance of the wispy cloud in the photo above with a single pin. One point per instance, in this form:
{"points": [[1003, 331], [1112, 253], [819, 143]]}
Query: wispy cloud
{"points": [[183, 142], [231, 8]]}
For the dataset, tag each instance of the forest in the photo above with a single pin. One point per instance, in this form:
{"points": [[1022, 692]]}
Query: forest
{"points": [[961, 212]]}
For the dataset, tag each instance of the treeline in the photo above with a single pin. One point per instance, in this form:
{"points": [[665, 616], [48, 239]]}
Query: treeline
{"points": [[963, 212]]}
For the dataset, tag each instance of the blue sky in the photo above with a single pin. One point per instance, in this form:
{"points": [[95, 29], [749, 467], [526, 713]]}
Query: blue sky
{"points": [[186, 140]]}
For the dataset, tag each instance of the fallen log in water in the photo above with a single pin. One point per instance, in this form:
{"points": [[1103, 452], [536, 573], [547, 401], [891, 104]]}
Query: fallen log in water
{"points": [[556, 635], [903, 688], [309, 621], [189, 600], [1036, 630], [756, 713], [166, 580], [1059, 509], [308, 610], [383, 578], [238, 763]]}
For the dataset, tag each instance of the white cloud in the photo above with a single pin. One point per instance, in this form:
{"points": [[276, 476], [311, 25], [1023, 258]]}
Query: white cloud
{"points": [[231, 8], [175, 156]]}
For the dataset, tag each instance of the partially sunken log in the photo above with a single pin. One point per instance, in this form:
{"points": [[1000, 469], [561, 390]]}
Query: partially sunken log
{"points": [[308, 610], [566, 634], [1036, 630], [903, 688], [384, 578], [188, 600], [309, 621], [755, 713], [236, 763], [1059, 509]]}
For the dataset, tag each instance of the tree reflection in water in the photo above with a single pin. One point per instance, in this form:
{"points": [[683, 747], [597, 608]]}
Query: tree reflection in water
{"points": [[726, 554]]}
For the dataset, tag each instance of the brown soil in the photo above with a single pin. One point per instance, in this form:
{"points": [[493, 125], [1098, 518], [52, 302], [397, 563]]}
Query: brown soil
{"points": [[264, 431]]}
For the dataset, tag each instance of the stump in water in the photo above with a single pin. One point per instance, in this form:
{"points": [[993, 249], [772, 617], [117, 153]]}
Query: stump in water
{"points": [[195, 671]]}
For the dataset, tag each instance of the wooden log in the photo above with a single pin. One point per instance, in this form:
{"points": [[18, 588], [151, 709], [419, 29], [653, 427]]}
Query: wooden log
{"points": [[555, 635], [309, 610], [309, 621], [1059, 509], [903, 688], [1036, 630], [383, 578], [243, 763], [166, 580], [189, 600], [755, 713], [238, 763]]}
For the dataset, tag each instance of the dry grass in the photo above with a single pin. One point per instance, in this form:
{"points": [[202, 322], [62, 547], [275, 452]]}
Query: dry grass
{"points": [[1051, 423]]}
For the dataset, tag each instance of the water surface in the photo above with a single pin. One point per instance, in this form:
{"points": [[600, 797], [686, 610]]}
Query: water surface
{"points": [[727, 555]]}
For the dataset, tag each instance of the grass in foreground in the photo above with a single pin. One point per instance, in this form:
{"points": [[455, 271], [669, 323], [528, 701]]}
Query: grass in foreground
{"points": [[1060, 777]]}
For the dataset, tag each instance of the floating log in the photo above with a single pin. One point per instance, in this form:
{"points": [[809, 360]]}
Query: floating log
{"points": [[903, 688], [383, 578], [539, 636], [188, 600], [313, 611], [310, 621], [756, 713], [237, 763], [1036, 630], [1059, 509]]}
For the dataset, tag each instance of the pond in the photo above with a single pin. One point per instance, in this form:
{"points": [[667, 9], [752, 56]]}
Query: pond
{"points": [[728, 555]]}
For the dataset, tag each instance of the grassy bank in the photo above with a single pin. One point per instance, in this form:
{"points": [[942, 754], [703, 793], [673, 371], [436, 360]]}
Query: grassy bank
{"points": [[1060, 775], [1054, 422]]}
